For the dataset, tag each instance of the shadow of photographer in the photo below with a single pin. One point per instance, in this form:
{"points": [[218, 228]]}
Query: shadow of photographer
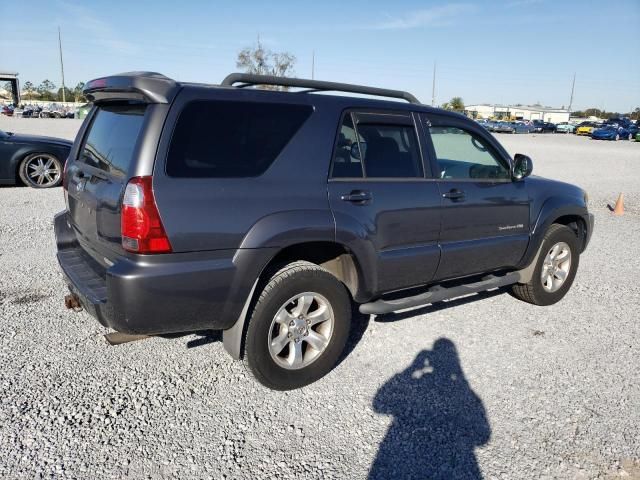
{"points": [[438, 420]]}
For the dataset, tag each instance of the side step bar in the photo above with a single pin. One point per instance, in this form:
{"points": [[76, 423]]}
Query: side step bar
{"points": [[439, 293]]}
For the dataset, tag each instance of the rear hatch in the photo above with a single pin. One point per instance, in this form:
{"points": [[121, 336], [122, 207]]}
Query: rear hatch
{"points": [[100, 171], [113, 146]]}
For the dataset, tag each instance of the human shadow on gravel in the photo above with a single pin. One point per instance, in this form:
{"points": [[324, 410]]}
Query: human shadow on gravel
{"points": [[438, 420]]}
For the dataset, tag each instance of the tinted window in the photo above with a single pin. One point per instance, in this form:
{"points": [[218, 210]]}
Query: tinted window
{"points": [[462, 154], [390, 151], [231, 139], [112, 137], [346, 160]]}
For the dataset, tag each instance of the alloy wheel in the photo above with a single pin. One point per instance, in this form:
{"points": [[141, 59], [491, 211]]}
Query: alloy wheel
{"points": [[556, 267], [42, 170], [301, 330]]}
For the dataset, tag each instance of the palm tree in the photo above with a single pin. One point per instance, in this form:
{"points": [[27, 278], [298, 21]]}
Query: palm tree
{"points": [[29, 88], [456, 104]]}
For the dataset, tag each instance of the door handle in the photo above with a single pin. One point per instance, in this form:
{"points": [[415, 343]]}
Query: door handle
{"points": [[454, 194], [357, 196]]}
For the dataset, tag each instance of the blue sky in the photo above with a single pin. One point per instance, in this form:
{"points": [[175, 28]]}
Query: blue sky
{"points": [[512, 51]]}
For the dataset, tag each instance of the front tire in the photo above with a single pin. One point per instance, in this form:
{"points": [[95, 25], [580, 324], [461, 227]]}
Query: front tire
{"points": [[41, 170], [555, 270], [298, 328]]}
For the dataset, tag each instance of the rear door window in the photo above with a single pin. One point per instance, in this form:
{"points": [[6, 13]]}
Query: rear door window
{"points": [[376, 150], [112, 137], [231, 139]]}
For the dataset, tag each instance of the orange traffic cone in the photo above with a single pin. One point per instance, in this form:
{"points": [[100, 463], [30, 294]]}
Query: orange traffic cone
{"points": [[619, 208]]}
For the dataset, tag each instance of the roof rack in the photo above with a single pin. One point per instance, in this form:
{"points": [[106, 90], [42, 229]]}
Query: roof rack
{"points": [[247, 79]]}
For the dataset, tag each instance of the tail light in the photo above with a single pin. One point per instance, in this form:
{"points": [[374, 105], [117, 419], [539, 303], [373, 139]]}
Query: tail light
{"points": [[142, 230]]}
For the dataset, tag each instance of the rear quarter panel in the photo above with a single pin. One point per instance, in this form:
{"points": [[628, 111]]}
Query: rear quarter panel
{"points": [[218, 213]]}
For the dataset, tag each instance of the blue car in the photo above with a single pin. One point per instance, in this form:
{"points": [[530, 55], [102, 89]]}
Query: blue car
{"points": [[611, 132], [521, 127]]}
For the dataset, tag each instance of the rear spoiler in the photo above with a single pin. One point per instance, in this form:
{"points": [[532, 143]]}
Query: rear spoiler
{"points": [[149, 87]]}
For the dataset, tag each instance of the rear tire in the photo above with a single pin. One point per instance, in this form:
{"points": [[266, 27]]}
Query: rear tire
{"points": [[298, 327], [553, 275]]}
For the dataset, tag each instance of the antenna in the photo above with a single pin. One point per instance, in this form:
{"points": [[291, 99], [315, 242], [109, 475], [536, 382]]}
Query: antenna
{"points": [[61, 64], [573, 84], [433, 87], [313, 64]]}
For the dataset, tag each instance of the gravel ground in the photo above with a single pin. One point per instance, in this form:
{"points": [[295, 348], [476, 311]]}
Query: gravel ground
{"points": [[540, 393]]}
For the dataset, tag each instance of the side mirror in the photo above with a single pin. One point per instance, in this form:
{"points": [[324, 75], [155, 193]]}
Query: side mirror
{"points": [[522, 166]]}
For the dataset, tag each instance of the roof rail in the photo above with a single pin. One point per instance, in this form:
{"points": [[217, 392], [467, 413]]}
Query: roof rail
{"points": [[314, 85]]}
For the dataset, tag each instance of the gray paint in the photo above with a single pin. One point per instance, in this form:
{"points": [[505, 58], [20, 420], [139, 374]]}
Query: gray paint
{"points": [[224, 232]]}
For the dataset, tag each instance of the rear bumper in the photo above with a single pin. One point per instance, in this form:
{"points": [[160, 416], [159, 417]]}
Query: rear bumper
{"points": [[157, 294]]}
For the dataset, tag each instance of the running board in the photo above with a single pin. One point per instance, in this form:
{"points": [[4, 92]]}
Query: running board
{"points": [[439, 293]]}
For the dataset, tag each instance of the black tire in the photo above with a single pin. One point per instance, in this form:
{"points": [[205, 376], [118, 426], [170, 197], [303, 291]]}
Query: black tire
{"points": [[56, 164], [533, 291], [294, 279]]}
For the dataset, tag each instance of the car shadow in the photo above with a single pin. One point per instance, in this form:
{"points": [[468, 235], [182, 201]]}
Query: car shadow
{"points": [[435, 307], [359, 325], [438, 420]]}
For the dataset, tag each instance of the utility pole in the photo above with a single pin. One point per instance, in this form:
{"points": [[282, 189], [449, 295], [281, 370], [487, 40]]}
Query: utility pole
{"points": [[433, 87], [313, 64], [61, 64], [573, 84]]}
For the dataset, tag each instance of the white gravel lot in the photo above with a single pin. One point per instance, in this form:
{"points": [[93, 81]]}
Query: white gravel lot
{"points": [[544, 392]]}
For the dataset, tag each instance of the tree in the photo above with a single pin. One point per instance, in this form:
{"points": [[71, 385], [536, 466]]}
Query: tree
{"points": [[30, 89], [45, 89], [262, 61], [68, 94], [77, 93], [456, 104]]}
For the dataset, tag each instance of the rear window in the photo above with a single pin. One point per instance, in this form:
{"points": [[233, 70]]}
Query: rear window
{"points": [[112, 138], [231, 139]]}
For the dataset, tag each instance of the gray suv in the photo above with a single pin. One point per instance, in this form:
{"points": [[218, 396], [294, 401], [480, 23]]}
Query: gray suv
{"points": [[269, 213]]}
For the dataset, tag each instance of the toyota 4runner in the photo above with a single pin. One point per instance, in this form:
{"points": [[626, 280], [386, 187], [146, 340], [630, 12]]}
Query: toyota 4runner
{"points": [[267, 213]]}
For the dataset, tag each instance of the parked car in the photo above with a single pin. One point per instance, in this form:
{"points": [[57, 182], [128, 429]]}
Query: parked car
{"points": [[503, 127], [565, 127], [33, 160], [586, 128], [611, 132], [193, 207], [625, 123], [31, 111], [521, 127], [543, 127], [6, 110], [490, 125]]}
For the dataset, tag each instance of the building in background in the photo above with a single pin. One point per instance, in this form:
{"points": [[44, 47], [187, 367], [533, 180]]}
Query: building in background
{"points": [[12, 79], [518, 112]]}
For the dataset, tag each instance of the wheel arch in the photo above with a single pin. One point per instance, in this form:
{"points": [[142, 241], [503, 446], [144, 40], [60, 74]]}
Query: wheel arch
{"points": [[569, 211], [333, 256]]}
